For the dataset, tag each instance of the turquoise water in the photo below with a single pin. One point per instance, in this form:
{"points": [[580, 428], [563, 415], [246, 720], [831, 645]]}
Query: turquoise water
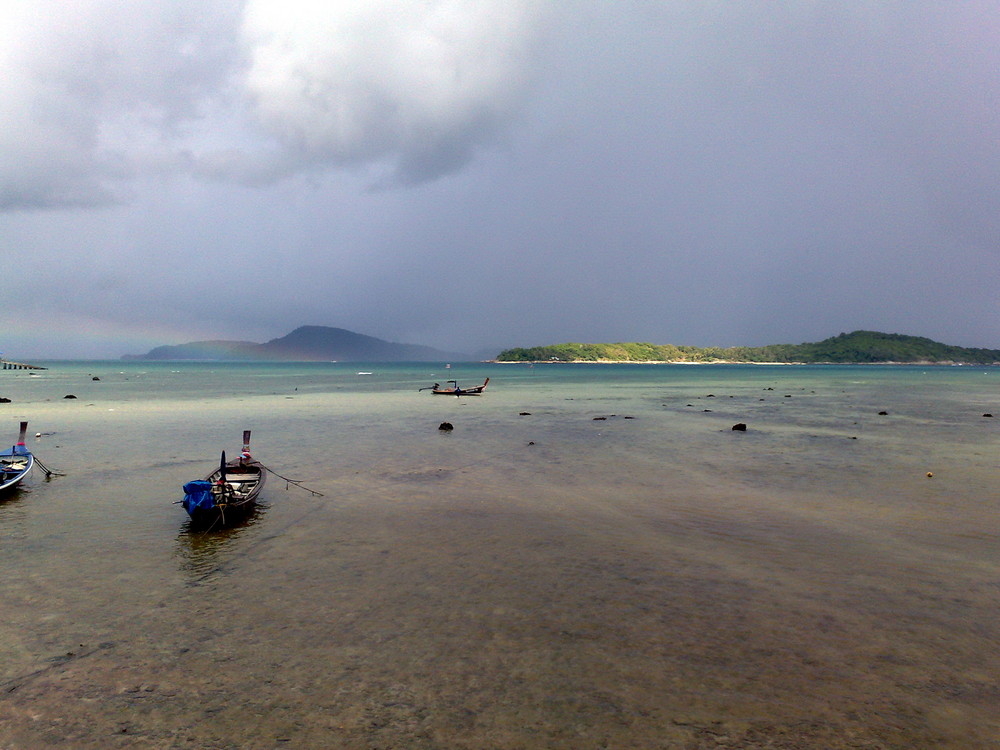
{"points": [[591, 558]]}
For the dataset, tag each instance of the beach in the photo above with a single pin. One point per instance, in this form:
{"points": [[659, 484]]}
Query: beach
{"points": [[592, 558]]}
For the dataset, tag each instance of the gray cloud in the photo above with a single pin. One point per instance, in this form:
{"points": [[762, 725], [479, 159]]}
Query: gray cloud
{"points": [[686, 172], [97, 92]]}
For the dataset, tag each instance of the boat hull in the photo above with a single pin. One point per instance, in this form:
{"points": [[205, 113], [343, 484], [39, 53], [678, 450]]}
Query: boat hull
{"points": [[15, 464], [456, 391], [230, 499]]}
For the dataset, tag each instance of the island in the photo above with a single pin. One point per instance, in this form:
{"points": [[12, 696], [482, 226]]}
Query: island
{"points": [[304, 344], [858, 347]]}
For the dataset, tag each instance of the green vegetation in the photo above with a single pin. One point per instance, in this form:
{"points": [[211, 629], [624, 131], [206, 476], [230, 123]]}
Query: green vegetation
{"points": [[859, 346]]}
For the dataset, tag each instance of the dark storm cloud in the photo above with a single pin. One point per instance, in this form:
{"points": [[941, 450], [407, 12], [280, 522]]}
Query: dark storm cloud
{"points": [[97, 93], [685, 172]]}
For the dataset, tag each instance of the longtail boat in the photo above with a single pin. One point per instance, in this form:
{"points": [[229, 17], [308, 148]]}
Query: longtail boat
{"points": [[454, 390], [229, 493], [15, 463]]}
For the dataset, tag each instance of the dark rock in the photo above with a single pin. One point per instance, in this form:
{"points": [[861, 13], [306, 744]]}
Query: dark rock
{"points": [[740, 427], [4, 400], [629, 417], [531, 442], [69, 395], [95, 378], [706, 410], [987, 415], [598, 419], [525, 414], [883, 413], [446, 426], [710, 395]]}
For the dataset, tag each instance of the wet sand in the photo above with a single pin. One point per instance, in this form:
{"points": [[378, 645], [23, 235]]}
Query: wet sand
{"points": [[658, 582]]}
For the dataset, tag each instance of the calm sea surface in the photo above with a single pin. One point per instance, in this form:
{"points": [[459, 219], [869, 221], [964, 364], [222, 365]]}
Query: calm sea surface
{"points": [[592, 558]]}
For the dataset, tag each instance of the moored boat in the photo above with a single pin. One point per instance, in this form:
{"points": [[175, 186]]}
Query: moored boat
{"points": [[16, 462], [454, 390], [229, 493]]}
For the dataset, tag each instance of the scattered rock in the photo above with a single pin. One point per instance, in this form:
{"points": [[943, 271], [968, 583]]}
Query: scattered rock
{"points": [[69, 395], [446, 426], [740, 427]]}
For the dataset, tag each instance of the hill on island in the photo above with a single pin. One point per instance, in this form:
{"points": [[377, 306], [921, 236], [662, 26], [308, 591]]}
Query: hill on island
{"points": [[847, 348], [304, 344]]}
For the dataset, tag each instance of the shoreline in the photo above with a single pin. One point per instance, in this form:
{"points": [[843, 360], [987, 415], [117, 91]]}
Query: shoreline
{"points": [[922, 363]]}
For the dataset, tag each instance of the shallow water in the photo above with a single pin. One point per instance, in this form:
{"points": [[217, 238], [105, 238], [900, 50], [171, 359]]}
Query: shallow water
{"points": [[649, 579]]}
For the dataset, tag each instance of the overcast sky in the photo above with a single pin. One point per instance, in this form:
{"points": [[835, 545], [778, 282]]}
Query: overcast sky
{"points": [[477, 174]]}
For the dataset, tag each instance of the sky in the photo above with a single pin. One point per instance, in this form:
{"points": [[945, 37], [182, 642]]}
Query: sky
{"points": [[479, 174]]}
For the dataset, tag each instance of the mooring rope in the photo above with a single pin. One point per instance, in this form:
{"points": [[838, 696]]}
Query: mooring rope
{"points": [[47, 470], [297, 483]]}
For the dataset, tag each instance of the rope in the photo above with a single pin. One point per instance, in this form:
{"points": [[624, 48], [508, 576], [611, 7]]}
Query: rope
{"points": [[297, 483], [47, 470]]}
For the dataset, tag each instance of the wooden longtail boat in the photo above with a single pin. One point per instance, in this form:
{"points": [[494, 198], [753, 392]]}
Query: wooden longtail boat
{"points": [[229, 493], [15, 463], [454, 390]]}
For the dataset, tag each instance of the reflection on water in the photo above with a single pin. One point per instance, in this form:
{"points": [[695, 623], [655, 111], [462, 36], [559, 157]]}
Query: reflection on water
{"points": [[13, 513], [204, 552]]}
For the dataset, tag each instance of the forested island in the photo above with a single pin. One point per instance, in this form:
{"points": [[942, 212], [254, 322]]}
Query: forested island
{"points": [[859, 347]]}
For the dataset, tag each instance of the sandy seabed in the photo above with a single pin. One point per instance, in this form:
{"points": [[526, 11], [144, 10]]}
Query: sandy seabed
{"points": [[659, 582]]}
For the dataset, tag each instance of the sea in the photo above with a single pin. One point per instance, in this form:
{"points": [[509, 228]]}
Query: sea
{"points": [[592, 557]]}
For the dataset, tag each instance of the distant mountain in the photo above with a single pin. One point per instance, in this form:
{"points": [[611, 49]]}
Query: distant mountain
{"points": [[200, 350], [305, 344], [847, 348]]}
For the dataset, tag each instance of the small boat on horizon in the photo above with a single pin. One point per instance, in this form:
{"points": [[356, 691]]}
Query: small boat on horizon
{"points": [[454, 390], [228, 494], [15, 463]]}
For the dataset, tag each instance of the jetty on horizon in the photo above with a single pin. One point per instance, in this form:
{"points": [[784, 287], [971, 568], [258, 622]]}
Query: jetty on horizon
{"points": [[8, 365]]}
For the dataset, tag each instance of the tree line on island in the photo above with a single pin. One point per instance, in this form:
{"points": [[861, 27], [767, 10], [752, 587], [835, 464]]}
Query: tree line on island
{"points": [[846, 348], [322, 343]]}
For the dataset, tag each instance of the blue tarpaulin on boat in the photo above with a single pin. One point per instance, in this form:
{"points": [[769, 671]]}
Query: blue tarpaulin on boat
{"points": [[198, 495]]}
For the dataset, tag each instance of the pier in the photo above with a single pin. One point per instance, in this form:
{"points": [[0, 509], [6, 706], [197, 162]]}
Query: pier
{"points": [[19, 366]]}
